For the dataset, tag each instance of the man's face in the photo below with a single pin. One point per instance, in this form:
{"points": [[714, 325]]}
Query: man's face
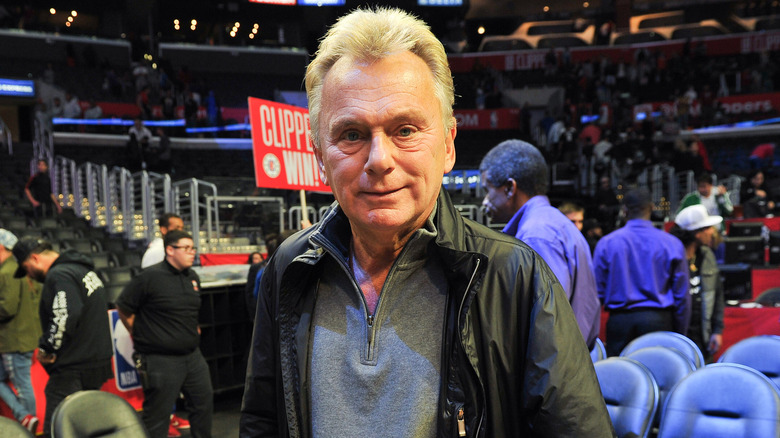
{"points": [[704, 188], [705, 235], [43, 167], [181, 255], [34, 268], [174, 224], [577, 217], [757, 179], [383, 146], [497, 202]]}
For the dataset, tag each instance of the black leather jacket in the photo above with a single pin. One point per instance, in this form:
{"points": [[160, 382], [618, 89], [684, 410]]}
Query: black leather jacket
{"points": [[513, 358]]}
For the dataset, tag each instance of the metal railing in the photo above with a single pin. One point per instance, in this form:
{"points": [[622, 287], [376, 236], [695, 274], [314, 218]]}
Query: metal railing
{"points": [[238, 201], [295, 215], [471, 211], [43, 142], [91, 192], [150, 196], [65, 181], [196, 202], [661, 182], [5, 137], [733, 184], [119, 217]]}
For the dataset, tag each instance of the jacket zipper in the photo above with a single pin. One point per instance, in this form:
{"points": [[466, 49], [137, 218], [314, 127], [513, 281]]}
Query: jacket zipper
{"points": [[461, 422], [461, 413], [369, 317]]}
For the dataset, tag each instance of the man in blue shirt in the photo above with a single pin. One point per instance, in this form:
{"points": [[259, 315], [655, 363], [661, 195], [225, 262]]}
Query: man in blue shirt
{"points": [[642, 277], [515, 176]]}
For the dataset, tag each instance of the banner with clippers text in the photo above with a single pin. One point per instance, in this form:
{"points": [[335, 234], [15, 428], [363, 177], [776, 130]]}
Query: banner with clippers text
{"points": [[283, 155]]}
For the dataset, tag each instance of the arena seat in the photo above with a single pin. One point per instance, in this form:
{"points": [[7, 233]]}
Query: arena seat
{"points": [[668, 367], [762, 353], [599, 352], [96, 413], [722, 400], [630, 393], [10, 428], [667, 339]]}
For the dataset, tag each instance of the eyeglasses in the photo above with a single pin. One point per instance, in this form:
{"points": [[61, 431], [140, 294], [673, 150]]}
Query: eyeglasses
{"points": [[186, 248]]}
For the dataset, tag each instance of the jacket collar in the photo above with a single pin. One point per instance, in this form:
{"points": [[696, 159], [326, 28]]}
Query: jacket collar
{"points": [[641, 223], [333, 231], [514, 224]]}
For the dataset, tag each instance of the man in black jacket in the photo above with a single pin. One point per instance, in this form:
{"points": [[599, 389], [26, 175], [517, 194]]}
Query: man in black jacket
{"points": [[160, 309], [75, 348], [394, 316]]}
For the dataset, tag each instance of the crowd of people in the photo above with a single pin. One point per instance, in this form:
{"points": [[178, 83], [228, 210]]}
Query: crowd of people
{"points": [[685, 78]]}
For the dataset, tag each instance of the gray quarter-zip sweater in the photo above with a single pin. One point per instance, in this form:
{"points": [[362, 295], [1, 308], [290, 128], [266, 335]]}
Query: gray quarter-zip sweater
{"points": [[379, 375]]}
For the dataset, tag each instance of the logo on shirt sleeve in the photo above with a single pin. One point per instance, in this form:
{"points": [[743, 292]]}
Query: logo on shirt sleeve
{"points": [[195, 285]]}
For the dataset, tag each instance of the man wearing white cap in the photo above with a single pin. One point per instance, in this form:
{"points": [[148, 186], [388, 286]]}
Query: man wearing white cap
{"points": [[695, 229]]}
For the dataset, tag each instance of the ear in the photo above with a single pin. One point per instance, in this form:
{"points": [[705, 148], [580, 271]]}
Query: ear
{"points": [[320, 163], [510, 187], [169, 251], [449, 148]]}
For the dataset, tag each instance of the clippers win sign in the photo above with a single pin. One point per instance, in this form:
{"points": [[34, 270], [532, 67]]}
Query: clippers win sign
{"points": [[283, 155]]}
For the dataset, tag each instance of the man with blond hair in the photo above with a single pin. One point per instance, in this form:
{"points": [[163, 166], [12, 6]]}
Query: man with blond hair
{"points": [[394, 316], [574, 212]]}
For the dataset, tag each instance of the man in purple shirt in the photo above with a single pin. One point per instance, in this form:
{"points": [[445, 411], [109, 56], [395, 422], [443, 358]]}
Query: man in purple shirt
{"points": [[642, 277], [515, 176]]}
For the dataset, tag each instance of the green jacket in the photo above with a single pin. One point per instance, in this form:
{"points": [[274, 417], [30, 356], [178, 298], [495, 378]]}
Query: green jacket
{"points": [[694, 198], [20, 326]]}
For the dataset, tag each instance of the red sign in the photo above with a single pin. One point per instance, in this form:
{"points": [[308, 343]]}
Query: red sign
{"points": [[275, 2], [739, 104], [499, 118], [513, 60], [283, 155]]}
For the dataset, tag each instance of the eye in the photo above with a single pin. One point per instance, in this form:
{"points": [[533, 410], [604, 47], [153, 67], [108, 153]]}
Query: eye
{"points": [[352, 136], [405, 132]]}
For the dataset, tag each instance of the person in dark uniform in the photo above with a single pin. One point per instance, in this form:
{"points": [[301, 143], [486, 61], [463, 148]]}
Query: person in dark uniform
{"points": [[160, 309], [75, 348], [38, 191]]}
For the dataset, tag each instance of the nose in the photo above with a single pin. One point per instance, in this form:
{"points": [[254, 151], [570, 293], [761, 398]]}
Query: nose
{"points": [[380, 155]]}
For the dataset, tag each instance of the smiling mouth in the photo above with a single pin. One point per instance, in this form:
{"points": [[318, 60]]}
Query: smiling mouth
{"points": [[381, 193]]}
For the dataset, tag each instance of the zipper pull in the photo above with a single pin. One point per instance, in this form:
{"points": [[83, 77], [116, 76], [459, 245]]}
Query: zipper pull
{"points": [[370, 320], [461, 423]]}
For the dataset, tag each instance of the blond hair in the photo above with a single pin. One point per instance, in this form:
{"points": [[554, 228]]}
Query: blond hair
{"points": [[373, 34]]}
